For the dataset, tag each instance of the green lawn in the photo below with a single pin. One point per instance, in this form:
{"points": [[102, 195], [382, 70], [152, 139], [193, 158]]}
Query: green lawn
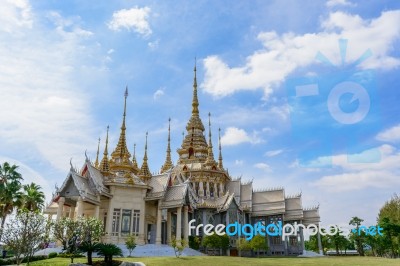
{"points": [[235, 261]]}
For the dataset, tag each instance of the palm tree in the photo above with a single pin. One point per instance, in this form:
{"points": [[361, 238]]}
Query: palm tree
{"points": [[108, 251], [10, 195], [33, 198]]}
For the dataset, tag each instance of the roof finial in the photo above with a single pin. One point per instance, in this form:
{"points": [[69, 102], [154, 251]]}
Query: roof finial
{"points": [[210, 157], [195, 101], [104, 165], [220, 165], [144, 170], [168, 162], [96, 163], [134, 161]]}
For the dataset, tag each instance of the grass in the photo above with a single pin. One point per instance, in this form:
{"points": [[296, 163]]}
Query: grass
{"points": [[236, 261]]}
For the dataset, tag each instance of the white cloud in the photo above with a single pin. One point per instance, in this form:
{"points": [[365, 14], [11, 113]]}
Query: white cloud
{"points": [[14, 15], [239, 162], [158, 94], [273, 153], [263, 166], [282, 54], [45, 114], [356, 176], [154, 44], [234, 136], [131, 19], [390, 135], [333, 3]]}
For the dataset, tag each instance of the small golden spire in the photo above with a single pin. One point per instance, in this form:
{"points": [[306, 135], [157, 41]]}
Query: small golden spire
{"points": [[96, 163], [134, 162], [104, 165], [210, 156], [168, 162], [195, 101], [220, 165], [144, 170]]}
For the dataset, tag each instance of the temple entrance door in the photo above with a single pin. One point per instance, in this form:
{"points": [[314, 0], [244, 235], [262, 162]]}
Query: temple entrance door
{"points": [[151, 233], [164, 232]]}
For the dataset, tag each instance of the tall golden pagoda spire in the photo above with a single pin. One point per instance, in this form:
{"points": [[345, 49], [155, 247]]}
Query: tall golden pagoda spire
{"points": [[194, 146], [120, 156], [134, 162], [220, 165], [195, 101], [96, 163], [104, 165], [168, 162], [144, 170], [210, 155]]}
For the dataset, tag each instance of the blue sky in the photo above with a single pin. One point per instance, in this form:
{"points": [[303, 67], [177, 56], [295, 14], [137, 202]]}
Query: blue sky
{"points": [[65, 64]]}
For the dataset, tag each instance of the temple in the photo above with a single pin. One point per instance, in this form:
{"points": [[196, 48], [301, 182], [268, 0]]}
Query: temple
{"points": [[155, 207]]}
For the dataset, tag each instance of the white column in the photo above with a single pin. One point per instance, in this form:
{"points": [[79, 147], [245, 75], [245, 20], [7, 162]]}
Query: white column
{"points": [[215, 191], [79, 206], [71, 212], [96, 211], [186, 225], [208, 189], [142, 219], [60, 208], [169, 220], [158, 230], [221, 189], [179, 223]]}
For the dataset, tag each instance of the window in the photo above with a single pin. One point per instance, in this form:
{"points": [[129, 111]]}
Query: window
{"points": [[126, 222], [211, 189], [276, 240], [105, 221], [115, 222], [135, 223]]}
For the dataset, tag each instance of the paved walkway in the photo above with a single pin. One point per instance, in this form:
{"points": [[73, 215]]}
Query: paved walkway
{"points": [[149, 250]]}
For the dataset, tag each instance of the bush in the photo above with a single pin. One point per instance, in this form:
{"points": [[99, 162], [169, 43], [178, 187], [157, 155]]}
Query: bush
{"points": [[53, 255], [194, 242], [68, 255], [14, 261]]}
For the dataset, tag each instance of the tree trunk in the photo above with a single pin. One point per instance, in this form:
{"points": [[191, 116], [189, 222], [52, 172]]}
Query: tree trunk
{"points": [[89, 258], [3, 221]]}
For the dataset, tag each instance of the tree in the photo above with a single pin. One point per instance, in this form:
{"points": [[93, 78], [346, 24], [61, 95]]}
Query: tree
{"points": [[389, 220], [178, 246], [358, 237], [32, 198], [92, 230], [130, 244], [242, 244], [108, 251], [24, 234], [10, 196], [65, 229], [338, 241], [258, 243], [216, 241]]}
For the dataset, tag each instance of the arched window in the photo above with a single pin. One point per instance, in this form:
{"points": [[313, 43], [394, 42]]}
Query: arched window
{"points": [[191, 152]]}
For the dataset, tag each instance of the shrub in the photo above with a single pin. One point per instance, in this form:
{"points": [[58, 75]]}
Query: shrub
{"points": [[108, 251], [194, 242], [53, 255]]}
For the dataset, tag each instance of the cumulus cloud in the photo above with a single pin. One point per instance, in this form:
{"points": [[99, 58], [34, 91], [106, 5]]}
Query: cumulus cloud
{"points": [[234, 136], [135, 19], [390, 135], [282, 54], [356, 176]]}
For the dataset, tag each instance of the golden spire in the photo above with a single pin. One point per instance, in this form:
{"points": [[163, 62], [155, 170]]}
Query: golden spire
{"points": [[134, 162], [96, 163], [210, 155], [220, 165], [168, 162], [144, 170], [104, 165], [121, 154], [195, 101]]}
